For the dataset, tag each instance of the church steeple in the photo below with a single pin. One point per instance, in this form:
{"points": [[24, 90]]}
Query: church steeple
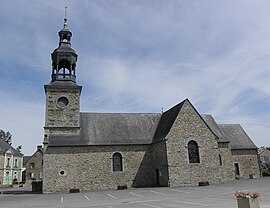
{"points": [[63, 94], [64, 58]]}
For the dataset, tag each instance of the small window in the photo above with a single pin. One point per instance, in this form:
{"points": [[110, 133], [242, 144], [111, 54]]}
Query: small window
{"points": [[220, 160], [62, 102], [31, 175], [193, 152], [117, 162], [32, 165], [62, 172]]}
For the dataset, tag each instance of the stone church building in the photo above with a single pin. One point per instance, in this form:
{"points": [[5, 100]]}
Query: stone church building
{"points": [[179, 147]]}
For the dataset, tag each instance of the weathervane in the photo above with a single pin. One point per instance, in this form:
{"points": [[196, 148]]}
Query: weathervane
{"points": [[65, 20]]}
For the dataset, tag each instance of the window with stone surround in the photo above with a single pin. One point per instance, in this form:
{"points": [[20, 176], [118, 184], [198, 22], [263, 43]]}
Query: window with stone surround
{"points": [[117, 162], [8, 162], [15, 163], [193, 152]]}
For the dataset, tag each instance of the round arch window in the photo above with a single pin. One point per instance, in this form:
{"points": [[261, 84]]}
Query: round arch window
{"points": [[62, 102]]}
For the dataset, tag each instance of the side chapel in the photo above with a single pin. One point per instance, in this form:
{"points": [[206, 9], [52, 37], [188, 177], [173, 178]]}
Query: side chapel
{"points": [[179, 147]]}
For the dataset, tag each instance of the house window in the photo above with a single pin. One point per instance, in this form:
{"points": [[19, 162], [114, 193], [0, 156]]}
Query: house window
{"points": [[220, 160], [31, 176], [15, 175], [16, 163], [32, 165], [193, 152], [8, 162], [117, 162]]}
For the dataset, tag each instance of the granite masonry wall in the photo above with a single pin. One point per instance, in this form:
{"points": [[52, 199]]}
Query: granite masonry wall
{"points": [[247, 161], [190, 126], [226, 164], [61, 118], [90, 167], [160, 163], [2, 173], [34, 166]]}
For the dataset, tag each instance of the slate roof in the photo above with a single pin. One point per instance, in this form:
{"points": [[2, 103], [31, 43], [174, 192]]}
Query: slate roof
{"points": [[238, 137], [215, 128], [5, 146], [166, 122], [143, 128], [25, 160], [112, 129]]}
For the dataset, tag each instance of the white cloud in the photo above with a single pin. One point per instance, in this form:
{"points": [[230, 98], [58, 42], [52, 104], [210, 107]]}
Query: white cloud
{"points": [[24, 120], [140, 56]]}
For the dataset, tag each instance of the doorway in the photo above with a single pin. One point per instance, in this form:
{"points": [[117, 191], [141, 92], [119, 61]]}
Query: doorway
{"points": [[157, 177]]}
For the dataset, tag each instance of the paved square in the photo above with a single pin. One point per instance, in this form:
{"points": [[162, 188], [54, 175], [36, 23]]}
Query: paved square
{"points": [[213, 196]]}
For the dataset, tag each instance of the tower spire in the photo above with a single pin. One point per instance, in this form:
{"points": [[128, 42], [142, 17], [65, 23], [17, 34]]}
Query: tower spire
{"points": [[64, 58]]}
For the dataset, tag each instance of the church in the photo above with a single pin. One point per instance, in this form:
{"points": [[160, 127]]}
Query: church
{"points": [[91, 151]]}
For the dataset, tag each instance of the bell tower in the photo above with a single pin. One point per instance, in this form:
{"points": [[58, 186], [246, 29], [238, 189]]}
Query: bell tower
{"points": [[62, 116]]}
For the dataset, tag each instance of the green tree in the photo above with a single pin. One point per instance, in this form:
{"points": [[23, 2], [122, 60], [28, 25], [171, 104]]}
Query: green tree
{"points": [[6, 136]]}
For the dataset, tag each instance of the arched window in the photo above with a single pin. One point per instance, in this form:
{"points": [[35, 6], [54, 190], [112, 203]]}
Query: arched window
{"points": [[8, 162], [193, 152], [117, 162], [15, 175], [64, 69]]}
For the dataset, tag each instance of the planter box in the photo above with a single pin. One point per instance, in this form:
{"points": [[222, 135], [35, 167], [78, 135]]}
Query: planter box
{"points": [[204, 183], [248, 202], [74, 190], [122, 186]]}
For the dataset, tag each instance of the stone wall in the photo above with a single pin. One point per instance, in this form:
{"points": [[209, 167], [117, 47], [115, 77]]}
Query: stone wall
{"points": [[227, 169], [36, 171], [265, 156], [190, 126], [160, 163], [90, 167], [248, 162], [60, 115], [2, 157]]}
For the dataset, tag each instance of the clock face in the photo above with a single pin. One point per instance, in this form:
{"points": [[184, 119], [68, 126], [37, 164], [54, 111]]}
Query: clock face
{"points": [[62, 102]]}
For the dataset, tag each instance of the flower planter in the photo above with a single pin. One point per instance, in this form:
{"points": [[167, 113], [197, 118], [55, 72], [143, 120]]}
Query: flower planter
{"points": [[74, 190], [203, 183], [122, 186], [248, 202]]}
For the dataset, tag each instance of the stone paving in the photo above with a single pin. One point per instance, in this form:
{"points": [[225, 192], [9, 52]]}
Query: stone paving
{"points": [[213, 196]]}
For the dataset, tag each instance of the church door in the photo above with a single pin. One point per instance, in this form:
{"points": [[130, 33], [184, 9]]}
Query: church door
{"points": [[157, 177]]}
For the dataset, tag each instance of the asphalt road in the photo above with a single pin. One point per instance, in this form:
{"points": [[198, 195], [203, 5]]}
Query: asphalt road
{"points": [[213, 196]]}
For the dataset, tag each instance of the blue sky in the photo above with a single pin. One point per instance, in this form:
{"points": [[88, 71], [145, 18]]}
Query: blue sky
{"points": [[139, 56]]}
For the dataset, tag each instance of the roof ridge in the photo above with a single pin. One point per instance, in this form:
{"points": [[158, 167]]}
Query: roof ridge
{"points": [[124, 113]]}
